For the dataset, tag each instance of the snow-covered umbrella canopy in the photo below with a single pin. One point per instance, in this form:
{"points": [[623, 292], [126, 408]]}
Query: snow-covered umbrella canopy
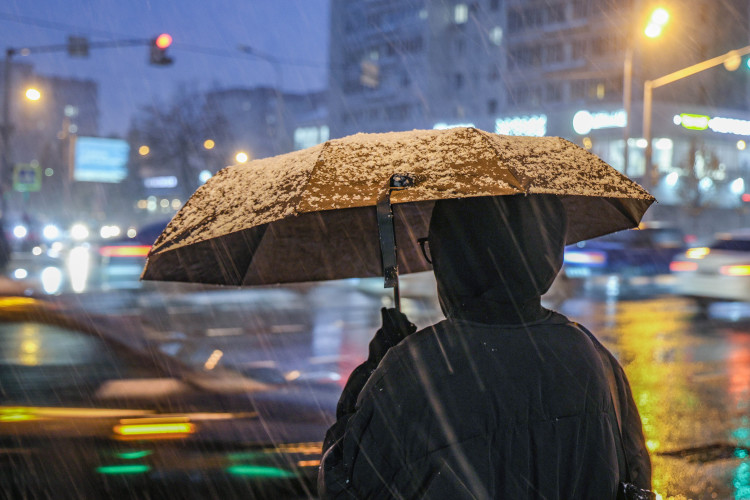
{"points": [[310, 215]]}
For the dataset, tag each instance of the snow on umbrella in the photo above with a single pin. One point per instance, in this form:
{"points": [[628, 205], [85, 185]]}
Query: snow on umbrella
{"points": [[310, 215]]}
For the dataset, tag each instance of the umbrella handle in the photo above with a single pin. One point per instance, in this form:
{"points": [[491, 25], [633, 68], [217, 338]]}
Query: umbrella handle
{"points": [[387, 234]]}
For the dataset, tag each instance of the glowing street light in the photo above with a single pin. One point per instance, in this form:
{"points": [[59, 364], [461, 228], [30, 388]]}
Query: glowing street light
{"points": [[209, 144], [241, 157], [144, 150], [659, 18], [33, 94]]}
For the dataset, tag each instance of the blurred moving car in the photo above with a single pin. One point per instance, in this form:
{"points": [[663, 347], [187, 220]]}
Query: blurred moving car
{"points": [[122, 259], [720, 271], [92, 409], [645, 251]]}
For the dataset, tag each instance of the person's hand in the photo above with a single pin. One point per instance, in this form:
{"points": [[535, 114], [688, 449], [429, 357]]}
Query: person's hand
{"points": [[396, 327]]}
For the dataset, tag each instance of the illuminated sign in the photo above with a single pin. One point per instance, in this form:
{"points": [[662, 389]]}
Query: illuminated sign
{"points": [[160, 182], [27, 177], [717, 124], [585, 121], [99, 159], [306, 137], [692, 122], [445, 126], [535, 125]]}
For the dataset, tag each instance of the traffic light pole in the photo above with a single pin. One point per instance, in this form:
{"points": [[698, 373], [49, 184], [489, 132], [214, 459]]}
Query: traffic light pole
{"points": [[7, 128], [651, 176]]}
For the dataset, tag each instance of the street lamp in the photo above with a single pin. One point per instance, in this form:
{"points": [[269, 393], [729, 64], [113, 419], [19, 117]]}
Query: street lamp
{"points": [[649, 85], [241, 157], [658, 19], [33, 94]]}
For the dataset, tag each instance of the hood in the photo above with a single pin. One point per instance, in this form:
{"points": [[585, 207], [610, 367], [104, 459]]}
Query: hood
{"points": [[495, 256]]}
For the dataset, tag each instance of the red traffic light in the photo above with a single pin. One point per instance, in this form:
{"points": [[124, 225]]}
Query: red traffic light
{"points": [[163, 41]]}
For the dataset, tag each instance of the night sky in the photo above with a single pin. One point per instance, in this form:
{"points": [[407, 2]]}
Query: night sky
{"points": [[206, 36]]}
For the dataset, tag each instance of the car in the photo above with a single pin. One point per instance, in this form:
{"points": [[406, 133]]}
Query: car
{"points": [[121, 260], [94, 407], [645, 251], [719, 271]]}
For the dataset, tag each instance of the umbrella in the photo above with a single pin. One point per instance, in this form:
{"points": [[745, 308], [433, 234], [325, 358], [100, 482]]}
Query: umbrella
{"points": [[313, 214]]}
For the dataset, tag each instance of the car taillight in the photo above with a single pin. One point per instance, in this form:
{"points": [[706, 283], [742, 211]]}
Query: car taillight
{"points": [[680, 266], [125, 251], [735, 270], [697, 253], [590, 258]]}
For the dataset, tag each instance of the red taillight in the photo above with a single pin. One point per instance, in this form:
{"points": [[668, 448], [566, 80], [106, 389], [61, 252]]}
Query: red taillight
{"points": [[125, 251], [680, 266], [736, 270]]}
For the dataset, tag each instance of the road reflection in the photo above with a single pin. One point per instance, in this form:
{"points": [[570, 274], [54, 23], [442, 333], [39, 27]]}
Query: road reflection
{"points": [[690, 380]]}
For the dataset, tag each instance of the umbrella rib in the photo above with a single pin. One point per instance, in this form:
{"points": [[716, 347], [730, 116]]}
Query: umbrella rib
{"points": [[519, 184], [326, 145]]}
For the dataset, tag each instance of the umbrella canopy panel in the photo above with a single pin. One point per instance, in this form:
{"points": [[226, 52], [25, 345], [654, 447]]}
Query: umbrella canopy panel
{"points": [[296, 217]]}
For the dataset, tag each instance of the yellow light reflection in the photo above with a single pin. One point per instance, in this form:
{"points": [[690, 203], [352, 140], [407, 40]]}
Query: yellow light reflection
{"points": [[647, 338], [154, 427], [17, 302], [29, 355], [213, 360], [308, 463], [16, 414], [150, 429]]}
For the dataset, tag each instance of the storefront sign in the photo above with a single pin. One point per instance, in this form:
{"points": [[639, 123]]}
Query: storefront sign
{"points": [[535, 125], [716, 124], [585, 121], [445, 126], [160, 182]]}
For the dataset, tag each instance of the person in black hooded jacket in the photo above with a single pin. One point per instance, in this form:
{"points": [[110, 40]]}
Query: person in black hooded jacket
{"points": [[502, 399]]}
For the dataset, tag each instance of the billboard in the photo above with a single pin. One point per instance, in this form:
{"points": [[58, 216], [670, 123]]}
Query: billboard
{"points": [[98, 159]]}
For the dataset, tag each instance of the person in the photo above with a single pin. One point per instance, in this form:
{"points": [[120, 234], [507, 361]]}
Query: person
{"points": [[503, 398]]}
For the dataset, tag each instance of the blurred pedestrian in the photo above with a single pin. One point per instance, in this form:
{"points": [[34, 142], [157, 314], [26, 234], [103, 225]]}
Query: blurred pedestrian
{"points": [[502, 399]]}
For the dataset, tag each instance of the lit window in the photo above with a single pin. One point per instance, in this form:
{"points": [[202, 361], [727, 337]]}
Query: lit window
{"points": [[460, 13], [496, 35]]}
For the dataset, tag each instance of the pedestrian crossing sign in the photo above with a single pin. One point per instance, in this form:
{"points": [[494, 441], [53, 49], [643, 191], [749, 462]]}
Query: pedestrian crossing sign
{"points": [[27, 177]]}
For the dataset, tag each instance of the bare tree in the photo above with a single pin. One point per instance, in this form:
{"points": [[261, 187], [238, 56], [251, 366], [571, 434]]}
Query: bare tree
{"points": [[175, 133]]}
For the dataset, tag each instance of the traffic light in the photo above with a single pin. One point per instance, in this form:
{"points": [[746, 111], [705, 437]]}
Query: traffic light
{"points": [[159, 47]]}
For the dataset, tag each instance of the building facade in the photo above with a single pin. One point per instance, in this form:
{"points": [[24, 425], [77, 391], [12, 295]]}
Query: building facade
{"points": [[43, 134], [553, 67], [265, 121]]}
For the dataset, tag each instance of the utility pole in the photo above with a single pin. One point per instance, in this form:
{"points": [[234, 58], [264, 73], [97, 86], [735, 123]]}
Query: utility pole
{"points": [[6, 130]]}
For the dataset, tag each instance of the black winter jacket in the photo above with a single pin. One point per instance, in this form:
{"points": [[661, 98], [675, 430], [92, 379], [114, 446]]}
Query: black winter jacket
{"points": [[422, 428]]}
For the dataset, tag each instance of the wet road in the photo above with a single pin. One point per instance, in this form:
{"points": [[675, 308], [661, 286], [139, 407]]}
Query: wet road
{"points": [[690, 375]]}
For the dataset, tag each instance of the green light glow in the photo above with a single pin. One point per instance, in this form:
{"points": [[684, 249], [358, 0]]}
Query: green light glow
{"points": [[122, 469], [694, 122], [133, 455], [259, 471]]}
